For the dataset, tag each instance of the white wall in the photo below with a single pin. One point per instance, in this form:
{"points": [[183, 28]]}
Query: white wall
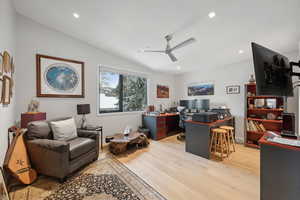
{"points": [[235, 74], [33, 38], [7, 42]]}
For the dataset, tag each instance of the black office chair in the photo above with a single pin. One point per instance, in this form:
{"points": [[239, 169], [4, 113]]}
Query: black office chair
{"points": [[182, 118]]}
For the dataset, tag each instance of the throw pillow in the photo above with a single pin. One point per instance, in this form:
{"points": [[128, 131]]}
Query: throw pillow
{"points": [[64, 129]]}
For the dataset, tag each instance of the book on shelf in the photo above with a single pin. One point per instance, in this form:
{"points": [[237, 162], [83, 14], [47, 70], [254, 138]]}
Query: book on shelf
{"points": [[255, 126]]}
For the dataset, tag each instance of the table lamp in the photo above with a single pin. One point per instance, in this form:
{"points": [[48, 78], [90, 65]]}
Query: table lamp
{"points": [[83, 109]]}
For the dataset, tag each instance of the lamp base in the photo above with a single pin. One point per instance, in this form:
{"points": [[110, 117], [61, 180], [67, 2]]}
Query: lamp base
{"points": [[83, 122]]}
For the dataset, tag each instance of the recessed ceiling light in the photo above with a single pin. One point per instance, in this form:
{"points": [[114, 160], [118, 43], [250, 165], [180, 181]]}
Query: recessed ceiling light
{"points": [[178, 67], [211, 15], [241, 51], [76, 15]]}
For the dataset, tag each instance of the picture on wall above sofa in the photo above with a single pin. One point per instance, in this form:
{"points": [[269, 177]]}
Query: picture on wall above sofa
{"points": [[201, 89], [163, 91], [59, 77]]}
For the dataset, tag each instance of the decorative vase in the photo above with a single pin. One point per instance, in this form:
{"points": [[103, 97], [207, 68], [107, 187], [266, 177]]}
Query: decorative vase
{"points": [[252, 79]]}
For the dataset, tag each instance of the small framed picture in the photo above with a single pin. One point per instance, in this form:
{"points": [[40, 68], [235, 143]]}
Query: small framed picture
{"points": [[3, 189], [6, 90], [233, 89], [163, 91]]}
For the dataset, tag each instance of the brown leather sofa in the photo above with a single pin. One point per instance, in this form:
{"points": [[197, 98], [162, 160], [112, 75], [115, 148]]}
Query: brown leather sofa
{"points": [[59, 158]]}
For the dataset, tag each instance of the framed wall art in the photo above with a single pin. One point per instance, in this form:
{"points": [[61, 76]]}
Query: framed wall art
{"points": [[233, 89], [3, 189], [59, 77], [163, 91], [6, 90], [201, 89]]}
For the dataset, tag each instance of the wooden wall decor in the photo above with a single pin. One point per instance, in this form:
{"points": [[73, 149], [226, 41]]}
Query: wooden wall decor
{"points": [[1, 64], [6, 90], [6, 62], [59, 77], [7, 70]]}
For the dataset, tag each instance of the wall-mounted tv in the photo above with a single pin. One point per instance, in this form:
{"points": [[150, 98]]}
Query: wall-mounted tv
{"points": [[273, 72]]}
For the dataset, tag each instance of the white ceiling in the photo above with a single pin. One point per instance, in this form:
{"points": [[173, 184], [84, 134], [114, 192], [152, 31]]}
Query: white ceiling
{"points": [[124, 27]]}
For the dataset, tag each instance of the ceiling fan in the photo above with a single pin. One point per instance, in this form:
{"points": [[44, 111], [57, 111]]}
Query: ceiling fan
{"points": [[169, 50]]}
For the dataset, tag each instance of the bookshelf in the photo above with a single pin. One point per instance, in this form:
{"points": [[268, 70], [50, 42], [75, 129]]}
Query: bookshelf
{"points": [[262, 113]]}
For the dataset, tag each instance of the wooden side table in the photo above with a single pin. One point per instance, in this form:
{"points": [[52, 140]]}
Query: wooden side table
{"points": [[26, 118], [98, 129]]}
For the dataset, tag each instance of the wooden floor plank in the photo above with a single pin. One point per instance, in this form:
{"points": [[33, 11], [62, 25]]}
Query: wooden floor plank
{"points": [[179, 175]]}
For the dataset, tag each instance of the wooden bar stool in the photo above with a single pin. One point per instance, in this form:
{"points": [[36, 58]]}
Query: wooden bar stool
{"points": [[219, 143], [231, 140]]}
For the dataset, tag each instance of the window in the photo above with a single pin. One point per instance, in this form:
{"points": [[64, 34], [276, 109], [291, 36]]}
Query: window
{"points": [[121, 92]]}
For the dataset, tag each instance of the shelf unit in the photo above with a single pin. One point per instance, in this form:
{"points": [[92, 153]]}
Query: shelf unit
{"points": [[259, 115]]}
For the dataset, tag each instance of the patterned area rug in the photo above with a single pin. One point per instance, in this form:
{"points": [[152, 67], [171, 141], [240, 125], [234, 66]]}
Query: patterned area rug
{"points": [[106, 179]]}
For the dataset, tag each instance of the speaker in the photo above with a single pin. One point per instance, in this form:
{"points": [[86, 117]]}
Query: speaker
{"points": [[288, 125]]}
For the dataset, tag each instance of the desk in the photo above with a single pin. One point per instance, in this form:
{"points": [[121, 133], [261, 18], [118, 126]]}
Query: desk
{"points": [[162, 125], [197, 135], [279, 171]]}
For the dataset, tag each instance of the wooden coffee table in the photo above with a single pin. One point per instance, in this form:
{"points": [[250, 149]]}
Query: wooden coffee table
{"points": [[120, 142]]}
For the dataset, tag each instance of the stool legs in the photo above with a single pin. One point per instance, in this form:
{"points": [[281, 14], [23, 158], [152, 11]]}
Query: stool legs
{"points": [[232, 140], [220, 143], [211, 142]]}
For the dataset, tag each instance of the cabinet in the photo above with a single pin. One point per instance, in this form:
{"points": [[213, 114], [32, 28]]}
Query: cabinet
{"points": [[161, 126], [30, 117], [260, 115]]}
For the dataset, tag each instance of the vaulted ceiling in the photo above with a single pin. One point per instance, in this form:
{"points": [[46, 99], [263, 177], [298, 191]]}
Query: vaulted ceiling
{"points": [[124, 27]]}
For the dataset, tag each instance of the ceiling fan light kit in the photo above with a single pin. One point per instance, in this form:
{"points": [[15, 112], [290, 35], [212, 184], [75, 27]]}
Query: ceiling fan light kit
{"points": [[169, 50]]}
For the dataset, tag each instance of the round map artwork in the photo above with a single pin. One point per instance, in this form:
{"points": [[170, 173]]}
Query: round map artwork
{"points": [[61, 77]]}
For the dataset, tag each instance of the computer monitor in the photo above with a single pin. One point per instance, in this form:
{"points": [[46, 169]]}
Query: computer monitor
{"points": [[188, 104], [202, 104], [272, 71], [196, 104]]}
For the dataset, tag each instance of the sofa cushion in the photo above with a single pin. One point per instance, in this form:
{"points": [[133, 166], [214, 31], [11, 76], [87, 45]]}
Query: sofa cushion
{"points": [[38, 130], [79, 146], [64, 129]]}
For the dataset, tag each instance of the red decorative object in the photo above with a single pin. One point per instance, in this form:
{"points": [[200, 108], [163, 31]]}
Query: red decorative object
{"points": [[30, 117]]}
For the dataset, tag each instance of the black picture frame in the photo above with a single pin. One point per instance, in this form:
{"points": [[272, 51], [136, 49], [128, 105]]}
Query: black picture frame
{"points": [[233, 89]]}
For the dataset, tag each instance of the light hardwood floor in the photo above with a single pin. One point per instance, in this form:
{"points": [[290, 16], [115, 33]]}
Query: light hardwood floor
{"points": [[178, 175]]}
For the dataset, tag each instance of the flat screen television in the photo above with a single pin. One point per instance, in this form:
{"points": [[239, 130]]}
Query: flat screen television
{"points": [[272, 72]]}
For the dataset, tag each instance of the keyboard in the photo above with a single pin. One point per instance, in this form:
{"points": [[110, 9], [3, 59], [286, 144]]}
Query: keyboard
{"points": [[285, 141]]}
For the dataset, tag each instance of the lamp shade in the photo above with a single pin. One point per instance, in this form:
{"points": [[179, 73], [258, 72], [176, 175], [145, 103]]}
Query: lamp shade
{"points": [[83, 109]]}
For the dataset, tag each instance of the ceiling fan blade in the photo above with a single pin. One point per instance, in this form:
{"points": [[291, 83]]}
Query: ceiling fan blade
{"points": [[183, 44], [172, 57], [153, 51]]}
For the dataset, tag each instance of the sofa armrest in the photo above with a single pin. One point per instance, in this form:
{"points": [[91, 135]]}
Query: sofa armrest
{"points": [[49, 157], [88, 134]]}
